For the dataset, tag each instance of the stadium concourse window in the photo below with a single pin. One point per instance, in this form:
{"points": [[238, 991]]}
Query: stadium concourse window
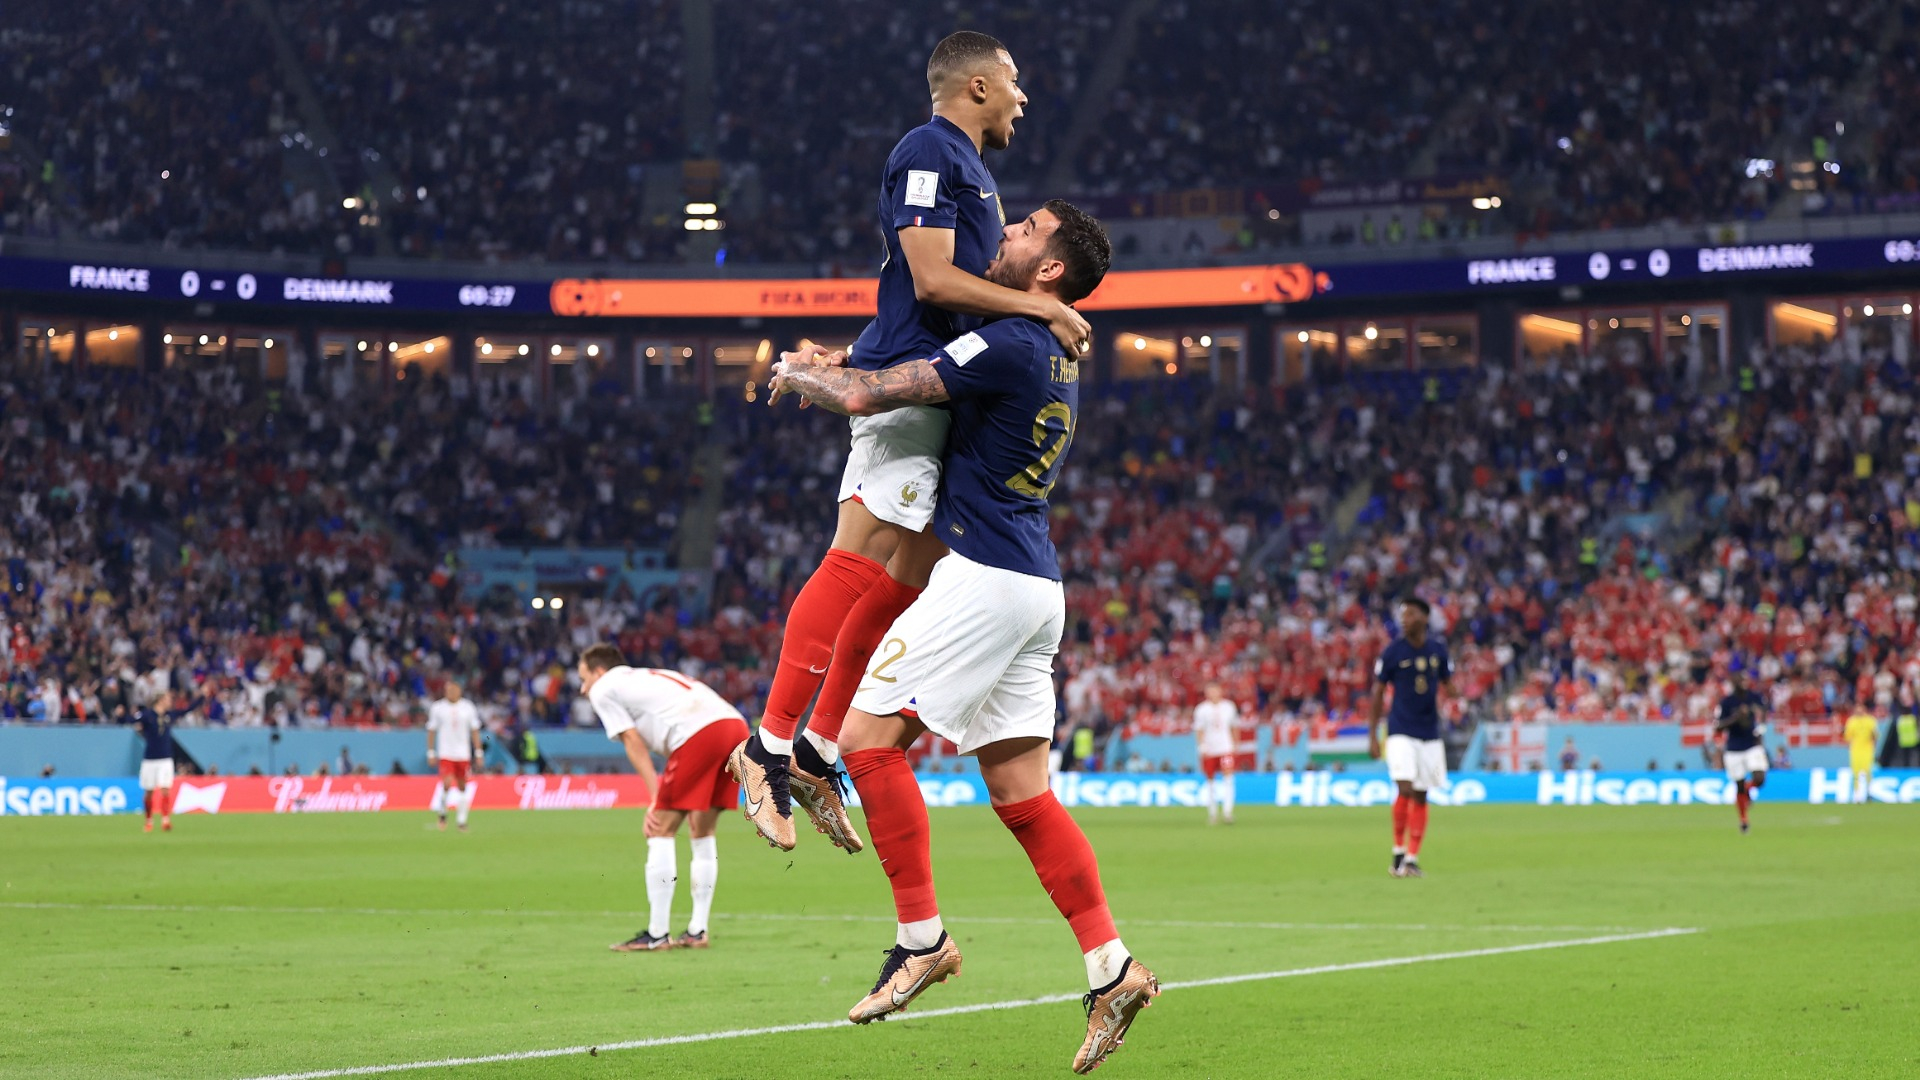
{"points": [[1695, 338], [1811, 323], [587, 367], [1376, 344], [49, 341], [1550, 333], [1305, 351], [667, 363], [1627, 335], [1218, 352], [1874, 324], [1145, 354], [421, 358], [741, 365], [507, 367], [1443, 341], [193, 347]]}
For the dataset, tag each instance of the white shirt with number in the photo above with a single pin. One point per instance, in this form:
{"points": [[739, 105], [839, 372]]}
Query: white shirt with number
{"points": [[665, 707], [1213, 723], [453, 724]]}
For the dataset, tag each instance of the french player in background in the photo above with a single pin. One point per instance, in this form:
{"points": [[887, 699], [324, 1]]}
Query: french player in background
{"points": [[655, 711], [1213, 733], [156, 759], [1742, 722], [453, 745], [1413, 665]]}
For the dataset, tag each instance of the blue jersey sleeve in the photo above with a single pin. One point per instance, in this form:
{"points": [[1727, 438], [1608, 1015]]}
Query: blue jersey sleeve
{"points": [[1383, 667], [919, 183], [1446, 665], [986, 361]]}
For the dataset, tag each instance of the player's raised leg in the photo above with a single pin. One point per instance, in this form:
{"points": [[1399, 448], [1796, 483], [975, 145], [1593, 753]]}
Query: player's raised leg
{"points": [[818, 785], [762, 764], [1015, 772]]}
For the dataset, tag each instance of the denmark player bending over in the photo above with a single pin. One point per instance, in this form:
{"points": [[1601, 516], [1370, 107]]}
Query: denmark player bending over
{"points": [[972, 658], [651, 711]]}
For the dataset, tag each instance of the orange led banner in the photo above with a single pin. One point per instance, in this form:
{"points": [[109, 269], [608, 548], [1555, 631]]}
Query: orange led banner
{"points": [[1123, 290]]}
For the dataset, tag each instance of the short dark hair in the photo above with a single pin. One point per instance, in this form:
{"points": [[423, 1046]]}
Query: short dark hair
{"points": [[958, 52], [1081, 243], [603, 656], [1418, 604]]}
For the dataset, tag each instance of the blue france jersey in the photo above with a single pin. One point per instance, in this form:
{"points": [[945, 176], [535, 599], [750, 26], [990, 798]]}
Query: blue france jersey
{"points": [[1014, 399], [156, 733], [1746, 710], [934, 179], [1415, 675]]}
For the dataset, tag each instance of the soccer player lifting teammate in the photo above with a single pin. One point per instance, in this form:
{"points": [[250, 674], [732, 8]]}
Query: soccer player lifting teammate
{"points": [[651, 711], [1744, 756], [941, 219], [1414, 665], [972, 659], [453, 745]]}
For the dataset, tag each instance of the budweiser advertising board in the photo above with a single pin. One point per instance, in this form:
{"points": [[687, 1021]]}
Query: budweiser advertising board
{"points": [[359, 794]]}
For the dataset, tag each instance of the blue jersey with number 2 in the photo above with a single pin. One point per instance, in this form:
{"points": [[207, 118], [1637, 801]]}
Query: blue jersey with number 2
{"points": [[1014, 401]]}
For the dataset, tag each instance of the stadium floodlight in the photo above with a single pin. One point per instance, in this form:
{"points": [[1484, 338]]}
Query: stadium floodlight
{"points": [[429, 346], [350, 203], [114, 335], [1906, 309], [166, 174], [702, 209], [363, 347], [1373, 332], [166, 339], [539, 602], [553, 351], [1206, 341], [203, 339], [267, 344], [1482, 203], [393, 346], [1304, 337], [693, 224], [557, 603], [1867, 311], [524, 350], [1139, 344], [486, 348], [593, 350]]}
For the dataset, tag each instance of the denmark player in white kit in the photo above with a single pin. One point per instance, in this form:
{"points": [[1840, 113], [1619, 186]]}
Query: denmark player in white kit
{"points": [[1213, 723], [453, 745], [654, 711]]}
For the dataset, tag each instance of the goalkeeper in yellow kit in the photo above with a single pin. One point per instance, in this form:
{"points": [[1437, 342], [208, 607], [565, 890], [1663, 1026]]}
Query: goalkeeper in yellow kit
{"points": [[1863, 737]]}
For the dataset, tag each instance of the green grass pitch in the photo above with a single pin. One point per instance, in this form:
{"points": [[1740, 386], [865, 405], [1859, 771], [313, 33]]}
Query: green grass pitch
{"points": [[254, 945]]}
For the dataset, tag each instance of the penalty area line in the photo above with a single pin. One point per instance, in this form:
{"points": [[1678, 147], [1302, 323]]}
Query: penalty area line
{"points": [[963, 1010]]}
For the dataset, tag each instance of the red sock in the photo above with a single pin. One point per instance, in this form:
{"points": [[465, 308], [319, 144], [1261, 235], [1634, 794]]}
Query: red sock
{"points": [[1400, 805], [166, 803], [806, 650], [1065, 862], [1742, 799], [1416, 826], [146, 800], [859, 636], [897, 825]]}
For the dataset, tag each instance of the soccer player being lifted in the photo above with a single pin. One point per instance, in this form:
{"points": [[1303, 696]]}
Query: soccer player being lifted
{"points": [[941, 220], [972, 659], [1744, 756], [1414, 665]]}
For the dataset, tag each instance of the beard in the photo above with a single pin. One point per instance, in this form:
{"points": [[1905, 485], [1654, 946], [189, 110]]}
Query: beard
{"points": [[1017, 276]]}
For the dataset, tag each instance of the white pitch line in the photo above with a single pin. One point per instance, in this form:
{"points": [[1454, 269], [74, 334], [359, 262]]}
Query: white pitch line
{"points": [[991, 920], [962, 1010]]}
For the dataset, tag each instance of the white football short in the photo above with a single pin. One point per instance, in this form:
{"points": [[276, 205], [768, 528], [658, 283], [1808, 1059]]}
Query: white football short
{"points": [[1423, 761], [1741, 764], [894, 465], [156, 773], [973, 656]]}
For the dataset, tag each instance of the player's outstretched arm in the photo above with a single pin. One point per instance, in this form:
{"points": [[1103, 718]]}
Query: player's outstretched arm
{"points": [[937, 281], [1374, 708], [851, 392]]}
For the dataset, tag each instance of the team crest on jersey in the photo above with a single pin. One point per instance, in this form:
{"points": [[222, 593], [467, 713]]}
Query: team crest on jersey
{"points": [[1420, 663], [909, 493]]}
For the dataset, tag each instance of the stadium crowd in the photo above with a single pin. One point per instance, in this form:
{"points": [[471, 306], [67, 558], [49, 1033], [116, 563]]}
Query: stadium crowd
{"points": [[491, 133]]}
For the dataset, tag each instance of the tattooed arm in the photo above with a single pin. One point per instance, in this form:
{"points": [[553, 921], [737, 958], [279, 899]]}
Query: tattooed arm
{"points": [[852, 392]]}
